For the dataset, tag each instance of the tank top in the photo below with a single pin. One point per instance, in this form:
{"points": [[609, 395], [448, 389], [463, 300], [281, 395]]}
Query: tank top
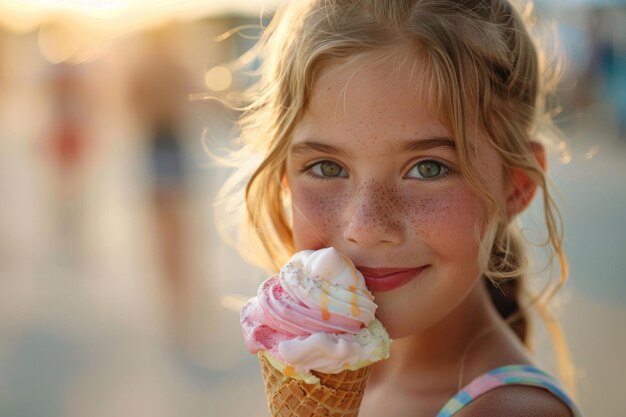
{"points": [[507, 375]]}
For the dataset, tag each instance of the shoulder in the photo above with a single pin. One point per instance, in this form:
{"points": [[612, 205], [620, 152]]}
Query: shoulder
{"points": [[516, 401]]}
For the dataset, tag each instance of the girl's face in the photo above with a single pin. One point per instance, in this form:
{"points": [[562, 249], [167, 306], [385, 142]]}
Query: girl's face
{"points": [[373, 171]]}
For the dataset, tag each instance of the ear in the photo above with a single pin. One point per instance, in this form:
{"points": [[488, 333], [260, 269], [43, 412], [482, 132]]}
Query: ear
{"points": [[522, 188]]}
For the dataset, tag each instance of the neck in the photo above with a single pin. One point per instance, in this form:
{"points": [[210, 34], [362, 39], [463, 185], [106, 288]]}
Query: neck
{"points": [[471, 340]]}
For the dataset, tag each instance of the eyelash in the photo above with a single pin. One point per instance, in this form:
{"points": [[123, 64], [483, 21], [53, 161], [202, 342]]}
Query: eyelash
{"points": [[308, 169], [447, 170]]}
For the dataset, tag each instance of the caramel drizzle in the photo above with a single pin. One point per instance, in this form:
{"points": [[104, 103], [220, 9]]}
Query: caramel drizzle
{"points": [[354, 301], [353, 288], [325, 300]]}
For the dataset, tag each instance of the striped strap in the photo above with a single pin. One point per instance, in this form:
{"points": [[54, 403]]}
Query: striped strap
{"points": [[506, 375]]}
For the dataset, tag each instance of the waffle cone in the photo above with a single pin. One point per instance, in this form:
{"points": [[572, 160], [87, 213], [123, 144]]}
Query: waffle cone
{"points": [[336, 395]]}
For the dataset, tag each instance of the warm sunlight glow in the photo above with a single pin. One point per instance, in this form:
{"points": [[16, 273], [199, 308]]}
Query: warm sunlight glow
{"points": [[115, 17]]}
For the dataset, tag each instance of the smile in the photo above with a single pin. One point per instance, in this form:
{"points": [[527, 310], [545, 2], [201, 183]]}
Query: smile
{"points": [[387, 279]]}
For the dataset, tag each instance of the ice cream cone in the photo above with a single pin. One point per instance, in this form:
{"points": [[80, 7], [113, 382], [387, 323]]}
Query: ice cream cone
{"points": [[316, 314], [336, 395]]}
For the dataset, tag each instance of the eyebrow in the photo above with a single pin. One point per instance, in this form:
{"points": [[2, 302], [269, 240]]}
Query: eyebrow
{"points": [[414, 145], [427, 143], [311, 145]]}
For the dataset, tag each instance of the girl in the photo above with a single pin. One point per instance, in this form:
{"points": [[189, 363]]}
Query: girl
{"points": [[406, 134]]}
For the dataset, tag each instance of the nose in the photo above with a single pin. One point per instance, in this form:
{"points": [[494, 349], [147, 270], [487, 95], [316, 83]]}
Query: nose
{"points": [[373, 217]]}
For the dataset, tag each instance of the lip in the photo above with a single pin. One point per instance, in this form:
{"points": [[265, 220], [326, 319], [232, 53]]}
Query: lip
{"points": [[387, 279]]}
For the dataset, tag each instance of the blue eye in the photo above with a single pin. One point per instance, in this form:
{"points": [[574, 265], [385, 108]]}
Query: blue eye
{"points": [[327, 169], [427, 170]]}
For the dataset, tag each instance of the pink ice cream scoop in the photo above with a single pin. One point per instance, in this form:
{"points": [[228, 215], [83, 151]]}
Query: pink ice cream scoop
{"points": [[316, 314]]}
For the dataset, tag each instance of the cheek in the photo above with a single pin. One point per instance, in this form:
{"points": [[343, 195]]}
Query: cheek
{"points": [[315, 216], [446, 222]]}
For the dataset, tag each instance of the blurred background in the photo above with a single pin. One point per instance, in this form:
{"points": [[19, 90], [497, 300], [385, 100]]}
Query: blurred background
{"points": [[118, 298]]}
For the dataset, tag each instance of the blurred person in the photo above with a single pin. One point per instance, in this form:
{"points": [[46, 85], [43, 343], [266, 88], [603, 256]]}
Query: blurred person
{"points": [[604, 77], [44, 112], [160, 88], [68, 144]]}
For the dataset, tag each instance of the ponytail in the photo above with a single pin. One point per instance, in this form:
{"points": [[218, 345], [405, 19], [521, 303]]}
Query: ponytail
{"points": [[507, 266], [505, 297]]}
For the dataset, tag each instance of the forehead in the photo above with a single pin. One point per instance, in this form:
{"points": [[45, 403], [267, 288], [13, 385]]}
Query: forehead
{"points": [[375, 93]]}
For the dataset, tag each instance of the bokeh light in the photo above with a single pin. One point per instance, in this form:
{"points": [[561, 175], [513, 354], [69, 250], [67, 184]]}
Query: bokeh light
{"points": [[218, 78], [59, 41]]}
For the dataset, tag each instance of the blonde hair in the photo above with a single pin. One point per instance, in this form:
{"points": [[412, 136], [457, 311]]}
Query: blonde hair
{"points": [[485, 72]]}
